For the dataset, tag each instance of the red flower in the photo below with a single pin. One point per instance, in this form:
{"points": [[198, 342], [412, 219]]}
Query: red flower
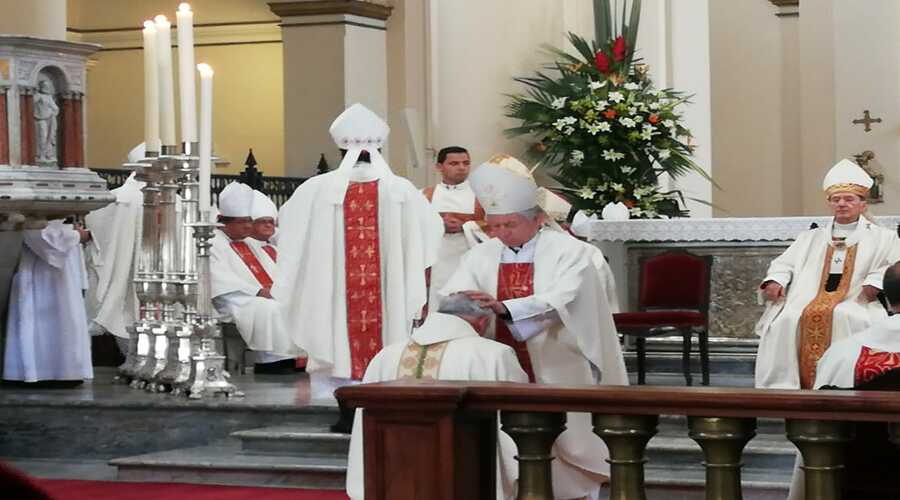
{"points": [[601, 61], [619, 49], [609, 114], [654, 118]]}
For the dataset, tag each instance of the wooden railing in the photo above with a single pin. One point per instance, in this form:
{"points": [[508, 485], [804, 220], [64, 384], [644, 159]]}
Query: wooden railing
{"points": [[437, 440]]}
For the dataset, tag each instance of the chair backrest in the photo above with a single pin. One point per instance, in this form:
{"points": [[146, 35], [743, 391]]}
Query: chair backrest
{"points": [[675, 280]]}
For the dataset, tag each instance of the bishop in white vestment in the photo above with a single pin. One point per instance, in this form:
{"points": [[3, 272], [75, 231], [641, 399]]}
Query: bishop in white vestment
{"points": [[354, 247], [551, 308], [448, 346], [47, 329], [824, 286], [241, 279], [454, 199]]}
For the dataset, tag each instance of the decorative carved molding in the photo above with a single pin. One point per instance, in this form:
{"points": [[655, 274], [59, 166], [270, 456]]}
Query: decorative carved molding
{"points": [[370, 9], [785, 3]]}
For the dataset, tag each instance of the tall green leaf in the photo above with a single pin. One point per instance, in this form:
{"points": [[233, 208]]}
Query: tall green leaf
{"points": [[633, 24], [602, 21]]}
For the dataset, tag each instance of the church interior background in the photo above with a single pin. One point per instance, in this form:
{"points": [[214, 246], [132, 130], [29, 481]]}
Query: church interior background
{"points": [[780, 91]]}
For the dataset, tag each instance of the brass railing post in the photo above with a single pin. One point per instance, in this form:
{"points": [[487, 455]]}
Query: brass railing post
{"points": [[723, 441], [822, 445], [534, 434], [626, 436]]}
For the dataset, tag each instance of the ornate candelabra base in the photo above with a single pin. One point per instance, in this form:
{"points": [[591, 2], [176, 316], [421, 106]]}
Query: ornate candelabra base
{"points": [[209, 377]]}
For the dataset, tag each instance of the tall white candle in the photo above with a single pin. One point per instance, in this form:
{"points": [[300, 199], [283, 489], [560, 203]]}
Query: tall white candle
{"points": [[151, 89], [206, 90], [166, 85], [186, 90]]}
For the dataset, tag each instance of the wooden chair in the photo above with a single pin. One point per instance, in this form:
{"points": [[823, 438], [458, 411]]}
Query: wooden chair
{"points": [[673, 297]]}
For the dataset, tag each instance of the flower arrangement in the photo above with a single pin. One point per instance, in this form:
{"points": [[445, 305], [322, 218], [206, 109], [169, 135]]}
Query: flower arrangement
{"points": [[601, 125]]}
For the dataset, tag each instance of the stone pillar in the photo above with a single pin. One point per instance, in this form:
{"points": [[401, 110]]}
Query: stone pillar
{"points": [[79, 129], [37, 18], [26, 126], [4, 129], [335, 54], [72, 153]]}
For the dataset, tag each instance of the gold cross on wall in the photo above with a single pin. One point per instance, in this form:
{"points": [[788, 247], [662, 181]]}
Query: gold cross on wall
{"points": [[867, 120]]}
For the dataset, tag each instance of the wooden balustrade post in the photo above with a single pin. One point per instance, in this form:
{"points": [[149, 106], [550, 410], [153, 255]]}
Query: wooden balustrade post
{"points": [[534, 434], [822, 445], [722, 441], [626, 436]]}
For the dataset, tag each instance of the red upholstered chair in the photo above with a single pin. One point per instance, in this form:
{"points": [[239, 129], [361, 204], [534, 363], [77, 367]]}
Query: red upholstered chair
{"points": [[673, 298]]}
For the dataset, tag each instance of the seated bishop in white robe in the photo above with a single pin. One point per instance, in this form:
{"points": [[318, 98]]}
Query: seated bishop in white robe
{"points": [[559, 321], [826, 275], [453, 350], [111, 253], [47, 330], [242, 275], [354, 248]]}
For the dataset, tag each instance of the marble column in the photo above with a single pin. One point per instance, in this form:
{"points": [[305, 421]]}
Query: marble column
{"points": [[26, 126], [79, 129], [335, 54], [72, 130], [4, 128]]}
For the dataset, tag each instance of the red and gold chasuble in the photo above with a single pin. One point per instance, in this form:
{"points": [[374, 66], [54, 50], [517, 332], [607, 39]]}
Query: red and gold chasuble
{"points": [[872, 363], [363, 275], [249, 258], [273, 253], [514, 282]]}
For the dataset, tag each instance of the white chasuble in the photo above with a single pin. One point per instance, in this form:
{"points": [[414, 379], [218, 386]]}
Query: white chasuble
{"points": [[801, 270], [47, 331], [453, 351], [236, 280], [313, 269], [580, 345]]}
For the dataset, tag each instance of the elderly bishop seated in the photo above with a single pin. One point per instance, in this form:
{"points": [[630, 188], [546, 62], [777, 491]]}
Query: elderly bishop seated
{"points": [[242, 279], [550, 306], [824, 287]]}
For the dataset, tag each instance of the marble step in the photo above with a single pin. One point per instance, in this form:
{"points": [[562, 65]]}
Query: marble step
{"points": [[732, 364], [224, 463], [298, 440]]}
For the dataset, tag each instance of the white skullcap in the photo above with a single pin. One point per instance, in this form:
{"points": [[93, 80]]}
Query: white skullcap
{"points": [[262, 206], [235, 200], [847, 176], [503, 185], [137, 153]]}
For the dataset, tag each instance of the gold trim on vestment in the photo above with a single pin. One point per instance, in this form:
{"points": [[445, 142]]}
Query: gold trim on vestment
{"points": [[814, 332], [420, 361]]}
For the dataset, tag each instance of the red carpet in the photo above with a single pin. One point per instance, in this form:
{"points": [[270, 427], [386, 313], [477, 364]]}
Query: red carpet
{"points": [[63, 489]]}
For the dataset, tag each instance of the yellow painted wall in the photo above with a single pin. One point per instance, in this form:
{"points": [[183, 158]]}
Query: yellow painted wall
{"points": [[105, 14]]}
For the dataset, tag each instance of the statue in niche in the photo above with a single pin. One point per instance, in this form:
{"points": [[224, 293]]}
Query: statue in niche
{"points": [[46, 116]]}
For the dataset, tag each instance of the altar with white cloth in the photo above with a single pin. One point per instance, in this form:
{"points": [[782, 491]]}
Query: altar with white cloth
{"points": [[742, 249]]}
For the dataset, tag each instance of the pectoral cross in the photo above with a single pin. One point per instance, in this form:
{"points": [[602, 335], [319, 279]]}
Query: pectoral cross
{"points": [[867, 120]]}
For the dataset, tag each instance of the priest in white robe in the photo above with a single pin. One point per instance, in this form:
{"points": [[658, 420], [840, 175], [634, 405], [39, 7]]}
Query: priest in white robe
{"points": [[455, 201], [824, 287], [448, 346], [550, 307], [354, 248], [47, 330], [241, 281]]}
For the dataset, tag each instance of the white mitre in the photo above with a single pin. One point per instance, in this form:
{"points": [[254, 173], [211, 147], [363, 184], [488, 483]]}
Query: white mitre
{"points": [[554, 205], [503, 185], [137, 153], [359, 129], [262, 206], [235, 200], [847, 176]]}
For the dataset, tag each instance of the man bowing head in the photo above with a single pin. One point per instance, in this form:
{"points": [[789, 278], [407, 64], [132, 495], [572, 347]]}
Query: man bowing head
{"points": [[549, 305]]}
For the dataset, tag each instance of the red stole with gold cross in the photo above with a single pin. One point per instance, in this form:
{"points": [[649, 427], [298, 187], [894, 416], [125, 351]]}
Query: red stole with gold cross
{"points": [[249, 258], [362, 274], [514, 282]]}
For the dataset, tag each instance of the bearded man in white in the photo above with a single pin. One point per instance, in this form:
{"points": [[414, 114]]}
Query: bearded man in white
{"points": [[824, 286], [354, 249], [448, 346], [550, 306], [241, 279]]}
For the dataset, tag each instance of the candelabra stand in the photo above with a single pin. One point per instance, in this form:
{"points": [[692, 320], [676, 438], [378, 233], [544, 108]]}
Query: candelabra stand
{"points": [[209, 377]]}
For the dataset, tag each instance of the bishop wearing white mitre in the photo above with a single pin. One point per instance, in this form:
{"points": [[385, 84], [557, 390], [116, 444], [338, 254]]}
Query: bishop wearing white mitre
{"points": [[354, 247], [550, 306], [824, 287]]}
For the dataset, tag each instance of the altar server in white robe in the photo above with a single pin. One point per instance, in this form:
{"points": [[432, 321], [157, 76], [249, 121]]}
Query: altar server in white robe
{"points": [[454, 199], [241, 284], [448, 346], [115, 238], [550, 307], [824, 286], [47, 330], [354, 247]]}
